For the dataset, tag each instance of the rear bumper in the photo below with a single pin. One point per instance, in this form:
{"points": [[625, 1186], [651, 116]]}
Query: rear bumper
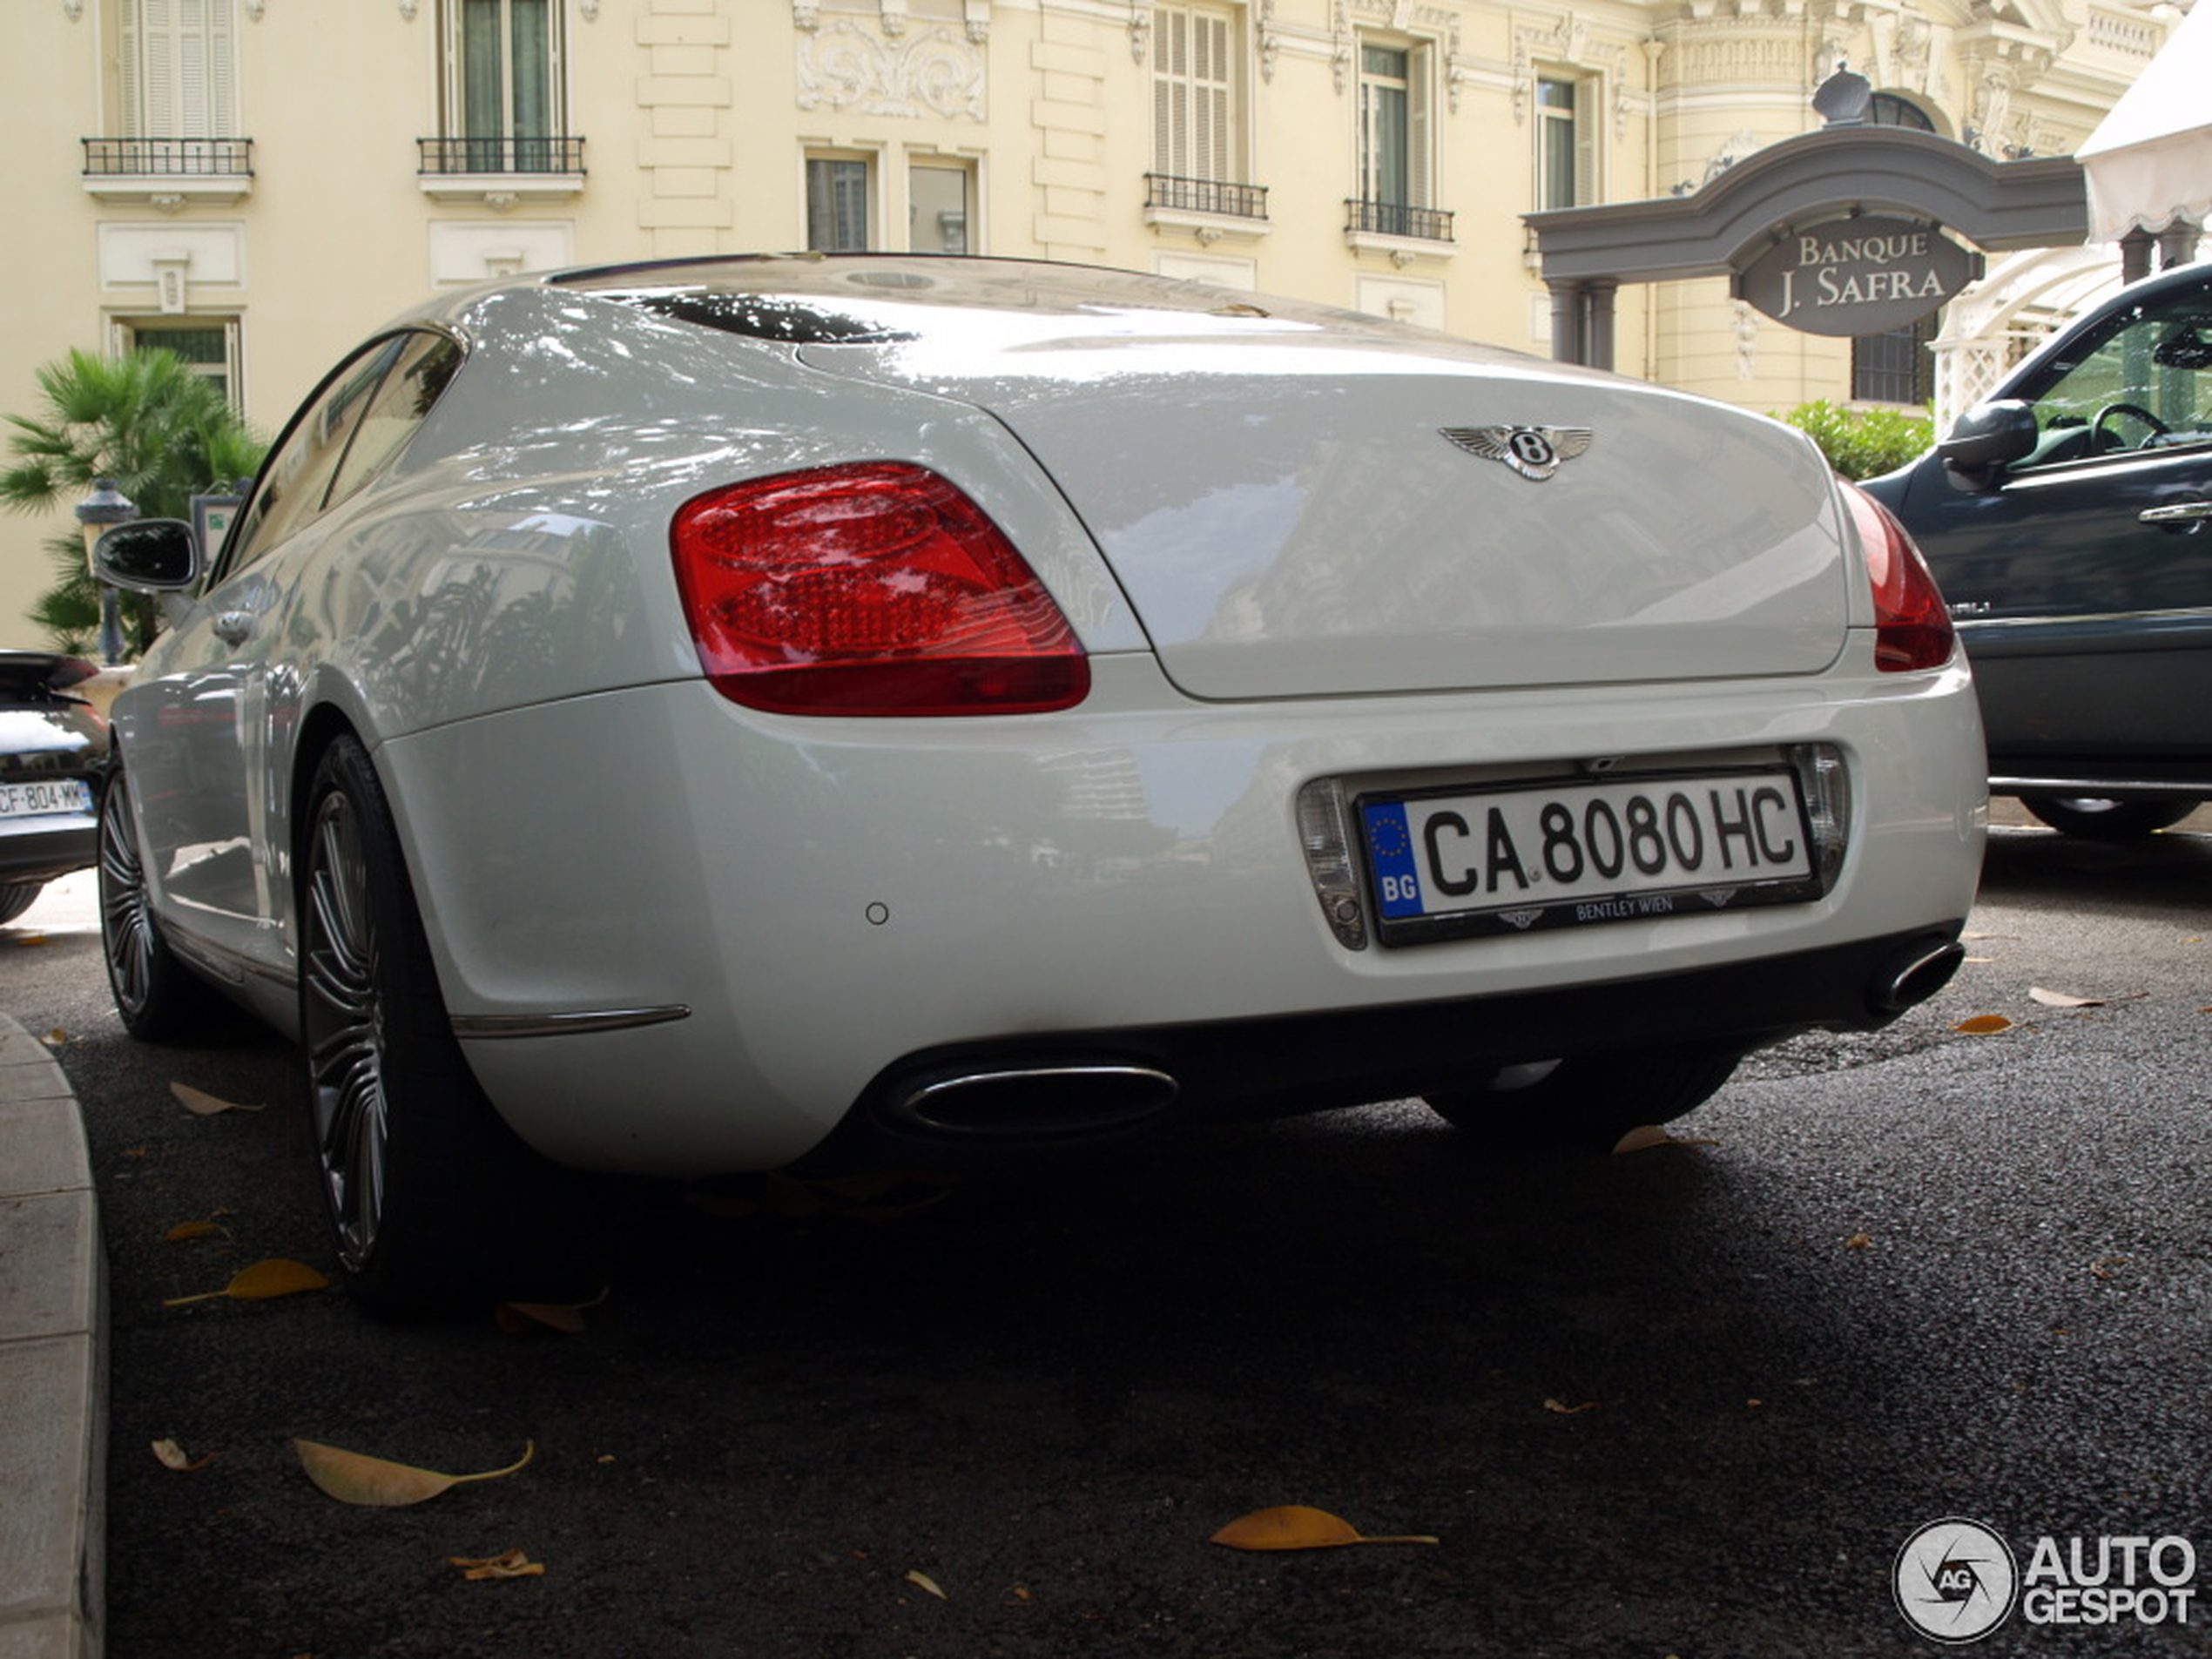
{"points": [[37, 850], [1082, 1087], [816, 914]]}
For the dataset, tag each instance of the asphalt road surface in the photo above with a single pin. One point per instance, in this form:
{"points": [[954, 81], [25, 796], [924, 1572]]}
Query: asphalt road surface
{"points": [[1691, 1401]]}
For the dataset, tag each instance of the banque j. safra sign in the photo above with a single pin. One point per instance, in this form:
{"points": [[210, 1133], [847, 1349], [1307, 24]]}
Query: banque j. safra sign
{"points": [[1856, 276]]}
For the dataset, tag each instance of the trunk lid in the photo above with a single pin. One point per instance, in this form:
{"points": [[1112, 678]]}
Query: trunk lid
{"points": [[1306, 517]]}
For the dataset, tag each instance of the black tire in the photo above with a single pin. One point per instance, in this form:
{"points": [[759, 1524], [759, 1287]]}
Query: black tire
{"points": [[1585, 1104], [427, 1194], [157, 997], [16, 897], [2104, 820]]}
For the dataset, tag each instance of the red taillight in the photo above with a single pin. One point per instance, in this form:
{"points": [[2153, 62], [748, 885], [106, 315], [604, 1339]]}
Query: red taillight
{"points": [[876, 588], [1912, 628]]}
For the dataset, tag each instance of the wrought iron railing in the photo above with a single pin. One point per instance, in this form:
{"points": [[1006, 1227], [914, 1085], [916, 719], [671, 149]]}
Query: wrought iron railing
{"points": [[501, 155], [1397, 219], [1204, 196], [168, 158]]}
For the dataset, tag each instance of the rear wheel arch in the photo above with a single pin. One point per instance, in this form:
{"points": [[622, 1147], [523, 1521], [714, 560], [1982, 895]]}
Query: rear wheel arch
{"points": [[319, 727]]}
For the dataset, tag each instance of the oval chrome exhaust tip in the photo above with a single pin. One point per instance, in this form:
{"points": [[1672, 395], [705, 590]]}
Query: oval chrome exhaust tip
{"points": [[1916, 978], [1034, 1103]]}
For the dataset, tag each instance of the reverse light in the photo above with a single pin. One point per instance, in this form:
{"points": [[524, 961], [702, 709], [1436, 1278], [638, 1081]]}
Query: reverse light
{"points": [[876, 588], [1911, 629]]}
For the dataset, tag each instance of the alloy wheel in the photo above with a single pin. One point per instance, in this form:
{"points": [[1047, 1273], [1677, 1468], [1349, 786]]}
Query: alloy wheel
{"points": [[343, 1018], [126, 921]]}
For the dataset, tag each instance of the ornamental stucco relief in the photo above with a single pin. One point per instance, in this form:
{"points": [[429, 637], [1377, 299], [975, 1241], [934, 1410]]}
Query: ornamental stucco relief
{"points": [[844, 65]]}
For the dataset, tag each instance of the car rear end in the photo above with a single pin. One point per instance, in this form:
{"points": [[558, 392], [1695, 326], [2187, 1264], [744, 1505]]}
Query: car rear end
{"points": [[52, 747], [1199, 706]]}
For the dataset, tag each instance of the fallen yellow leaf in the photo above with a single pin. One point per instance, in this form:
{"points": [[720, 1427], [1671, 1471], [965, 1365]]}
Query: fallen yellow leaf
{"points": [[353, 1477], [205, 1105], [171, 1456], [1561, 1409], [2063, 999], [516, 1317], [276, 1277], [923, 1581], [1651, 1135], [1859, 1241], [1983, 1024], [512, 1564], [56, 1038], [185, 1230], [1297, 1527]]}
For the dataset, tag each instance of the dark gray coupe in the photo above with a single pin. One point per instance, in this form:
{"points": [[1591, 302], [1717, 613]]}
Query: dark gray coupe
{"points": [[2065, 520]]}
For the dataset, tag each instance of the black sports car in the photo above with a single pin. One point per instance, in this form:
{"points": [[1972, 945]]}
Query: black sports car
{"points": [[2065, 520], [53, 747]]}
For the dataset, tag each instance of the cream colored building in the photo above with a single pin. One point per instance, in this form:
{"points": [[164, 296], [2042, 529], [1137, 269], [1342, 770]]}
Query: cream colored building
{"points": [[260, 183]]}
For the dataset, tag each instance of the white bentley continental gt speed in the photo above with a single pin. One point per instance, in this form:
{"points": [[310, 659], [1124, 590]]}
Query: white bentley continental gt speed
{"points": [[690, 719]]}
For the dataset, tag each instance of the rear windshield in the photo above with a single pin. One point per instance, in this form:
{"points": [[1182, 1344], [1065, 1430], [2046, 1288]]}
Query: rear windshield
{"points": [[860, 299]]}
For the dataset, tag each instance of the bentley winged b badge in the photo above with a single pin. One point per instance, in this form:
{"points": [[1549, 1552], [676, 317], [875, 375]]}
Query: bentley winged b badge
{"points": [[1533, 451]]}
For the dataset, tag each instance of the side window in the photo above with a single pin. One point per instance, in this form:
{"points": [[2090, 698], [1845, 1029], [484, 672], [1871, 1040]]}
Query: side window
{"points": [[296, 478], [416, 382], [2145, 384]]}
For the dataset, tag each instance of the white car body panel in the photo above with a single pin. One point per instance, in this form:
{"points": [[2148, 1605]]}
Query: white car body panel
{"points": [[680, 936], [1300, 525], [979, 937]]}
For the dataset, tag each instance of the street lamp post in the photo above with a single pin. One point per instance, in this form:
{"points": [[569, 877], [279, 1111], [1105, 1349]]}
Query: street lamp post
{"points": [[102, 510]]}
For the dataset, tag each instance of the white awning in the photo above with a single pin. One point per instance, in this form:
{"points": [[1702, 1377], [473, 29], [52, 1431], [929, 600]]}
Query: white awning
{"points": [[2149, 162]]}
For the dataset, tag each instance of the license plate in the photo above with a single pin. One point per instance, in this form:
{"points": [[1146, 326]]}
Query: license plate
{"points": [[1568, 851], [36, 800]]}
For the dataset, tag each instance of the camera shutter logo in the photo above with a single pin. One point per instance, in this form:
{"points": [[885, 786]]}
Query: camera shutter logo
{"points": [[1955, 1580]]}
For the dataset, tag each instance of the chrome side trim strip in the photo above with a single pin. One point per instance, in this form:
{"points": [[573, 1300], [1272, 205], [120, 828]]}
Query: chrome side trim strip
{"points": [[232, 968], [2102, 618], [500, 1027]]}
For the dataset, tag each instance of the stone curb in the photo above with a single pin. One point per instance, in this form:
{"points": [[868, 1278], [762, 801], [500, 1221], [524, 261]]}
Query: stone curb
{"points": [[53, 1364]]}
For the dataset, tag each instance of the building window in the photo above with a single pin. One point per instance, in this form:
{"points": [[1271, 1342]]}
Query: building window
{"points": [[177, 66], [208, 345], [1894, 367], [1396, 172], [503, 86], [940, 206], [1194, 107], [1888, 110], [1566, 157], [838, 208]]}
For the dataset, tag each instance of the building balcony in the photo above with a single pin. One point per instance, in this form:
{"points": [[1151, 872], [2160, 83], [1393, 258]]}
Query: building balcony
{"points": [[169, 174], [1208, 208], [1397, 229], [501, 172]]}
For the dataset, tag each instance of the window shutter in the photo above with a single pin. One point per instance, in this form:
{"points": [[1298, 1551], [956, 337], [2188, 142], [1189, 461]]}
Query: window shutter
{"points": [[130, 31], [222, 70], [158, 43], [180, 69], [1211, 114], [1170, 46], [1420, 175], [1586, 128]]}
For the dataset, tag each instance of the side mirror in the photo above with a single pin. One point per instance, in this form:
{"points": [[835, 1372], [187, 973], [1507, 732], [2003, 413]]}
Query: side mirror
{"points": [[1990, 434], [148, 555]]}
